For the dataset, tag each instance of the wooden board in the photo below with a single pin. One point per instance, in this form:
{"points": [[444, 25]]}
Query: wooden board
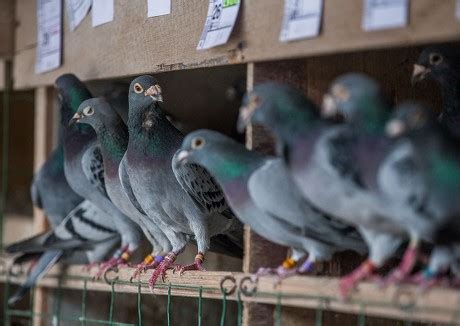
{"points": [[406, 302], [134, 44], [6, 28]]}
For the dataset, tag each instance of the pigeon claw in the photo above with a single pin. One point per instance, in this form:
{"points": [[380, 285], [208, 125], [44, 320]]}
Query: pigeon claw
{"points": [[120, 259], [402, 272], [195, 266], [163, 266], [350, 282]]}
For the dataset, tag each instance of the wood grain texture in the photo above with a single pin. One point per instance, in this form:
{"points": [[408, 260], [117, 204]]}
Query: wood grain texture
{"points": [[405, 302], [134, 44]]}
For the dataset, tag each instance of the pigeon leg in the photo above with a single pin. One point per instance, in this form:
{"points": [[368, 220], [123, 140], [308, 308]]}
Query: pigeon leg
{"points": [[119, 259], [405, 267], [350, 282], [428, 278], [149, 262], [197, 265], [165, 264]]}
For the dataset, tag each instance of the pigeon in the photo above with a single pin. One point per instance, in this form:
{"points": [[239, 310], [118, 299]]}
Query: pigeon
{"points": [[84, 236], [84, 169], [186, 201], [436, 163], [71, 218], [112, 134], [260, 191], [441, 63], [319, 156]]}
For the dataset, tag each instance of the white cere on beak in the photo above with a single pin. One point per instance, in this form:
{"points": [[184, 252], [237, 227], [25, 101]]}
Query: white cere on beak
{"points": [[329, 107], [182, 156], [394, 128]]}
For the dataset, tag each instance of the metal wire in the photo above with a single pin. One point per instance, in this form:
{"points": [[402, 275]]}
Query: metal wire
{"points": [[112, 299], [200, 305], [239, 320], [168, 308], [278, 310], [139, 305], [224, 309], [83, 302]]}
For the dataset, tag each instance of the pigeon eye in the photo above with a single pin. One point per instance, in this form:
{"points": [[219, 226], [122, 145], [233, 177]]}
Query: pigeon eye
{"points": [[138, 88], [435, 58], [198, 143], [340, 93], [88, 111]]}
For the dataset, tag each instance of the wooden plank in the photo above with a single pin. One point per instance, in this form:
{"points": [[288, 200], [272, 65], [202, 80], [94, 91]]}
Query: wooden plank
{"points": [[43, 143], [6, 28], [405, 302], [134, 44]]}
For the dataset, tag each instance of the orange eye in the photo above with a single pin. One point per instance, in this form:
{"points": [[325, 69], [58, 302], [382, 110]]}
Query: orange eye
{"points": [[138, 88], [198, 143]]}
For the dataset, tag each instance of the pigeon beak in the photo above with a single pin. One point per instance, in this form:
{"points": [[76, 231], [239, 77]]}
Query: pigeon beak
{"points": [[155, 93], [329, 107], [243, 119], [182, 157], [75, 119], [395, 128], [419, 73]]}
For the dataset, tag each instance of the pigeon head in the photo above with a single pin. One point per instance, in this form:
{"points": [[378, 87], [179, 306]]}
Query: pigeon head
{"points": [[71, 92], [143, 91], [272, 104], [438, 62], [95, 112], [409, 117], [215, 152], [281, 109], [359, 100]]}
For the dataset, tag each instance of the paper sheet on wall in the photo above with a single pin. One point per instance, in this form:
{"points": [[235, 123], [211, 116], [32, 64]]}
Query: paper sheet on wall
{"points": [[219, 23], [158, 7], [385, 14], [302, 19], [102, 12], [49, 35], [77, 11], [457, 9]]}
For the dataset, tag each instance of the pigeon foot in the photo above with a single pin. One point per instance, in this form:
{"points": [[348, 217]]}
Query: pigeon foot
{"points": [[149, 262], [350, 282], [427, 279], [197, 265], [402, 272], [119, 259], [165, 264]]}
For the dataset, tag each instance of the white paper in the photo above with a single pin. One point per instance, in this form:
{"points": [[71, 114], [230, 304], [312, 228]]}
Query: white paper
{"points": [[302, 19], [77, 11], [219, 23], [385, 14], [49, 35], [102, 12], [457, 9], [158, 7]]}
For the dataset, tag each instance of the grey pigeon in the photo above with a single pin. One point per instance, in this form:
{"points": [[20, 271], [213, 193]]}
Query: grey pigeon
{"points": [[260, 191], [75, 224], [84, 236], [187, 202], [112, 134], [441, 63], [435, 165], [320, 158], [84, 169]]}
